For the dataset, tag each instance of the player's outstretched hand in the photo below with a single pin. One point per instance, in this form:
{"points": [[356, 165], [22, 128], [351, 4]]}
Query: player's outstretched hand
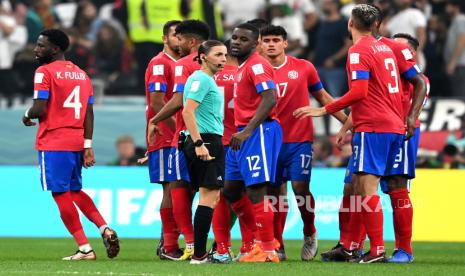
{"points": [[307, 111], [89, 159], [143, 159], [153, 129], [203, 153], [237, 139], [411, 126], [28, 121]]}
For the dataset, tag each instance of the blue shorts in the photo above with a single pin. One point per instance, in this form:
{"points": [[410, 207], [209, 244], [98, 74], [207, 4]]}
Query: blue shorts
{"points": [[294, 163], [406, 160], [177, 167], [158, 165], [376, 153], [349, 171], [60, 171], [256, 161]]}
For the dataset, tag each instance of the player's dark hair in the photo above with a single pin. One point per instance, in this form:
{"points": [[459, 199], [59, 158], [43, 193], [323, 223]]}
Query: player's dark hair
{"points": [[168, 25], [410, 39], [57, 37], [205, 48], [380, 14], [259, 23], [364, 17], [274, 30], [195, 28], [227, 43], [250, 27]]}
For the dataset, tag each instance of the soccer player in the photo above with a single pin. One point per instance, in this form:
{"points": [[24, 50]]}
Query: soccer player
{"points": [[292, 76], [63, 100], [190, 34], [375, 96], [159, 83], [253, 153], [203, 115]]}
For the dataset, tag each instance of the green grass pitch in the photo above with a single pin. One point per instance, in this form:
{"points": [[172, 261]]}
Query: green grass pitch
{"points": [[36, 256]]}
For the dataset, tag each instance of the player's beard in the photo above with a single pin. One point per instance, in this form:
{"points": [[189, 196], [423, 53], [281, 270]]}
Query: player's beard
{"points": [[44, 60]]}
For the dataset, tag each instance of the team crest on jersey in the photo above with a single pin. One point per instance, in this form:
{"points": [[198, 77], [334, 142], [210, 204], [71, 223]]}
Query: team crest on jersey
{"points": [[239, 77], [293, 74]]}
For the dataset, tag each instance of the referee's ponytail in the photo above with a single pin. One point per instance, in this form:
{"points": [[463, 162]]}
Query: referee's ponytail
{"points": [[205, 48]]}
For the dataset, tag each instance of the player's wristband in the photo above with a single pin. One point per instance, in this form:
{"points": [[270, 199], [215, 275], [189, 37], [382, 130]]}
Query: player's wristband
{"points": [[87, 143], [26, 114]]}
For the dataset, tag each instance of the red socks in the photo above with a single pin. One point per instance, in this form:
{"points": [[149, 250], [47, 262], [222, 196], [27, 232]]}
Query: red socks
{"points": [[264, 216], [308, 216], [246, 215], [220, 224], [170, 237], [70, 216], [87, 207], [403, 218], [344, 219], [182, 211], [373, 222]]}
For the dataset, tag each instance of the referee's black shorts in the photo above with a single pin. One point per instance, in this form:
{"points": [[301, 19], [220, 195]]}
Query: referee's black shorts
{"points": [[206, 174]]}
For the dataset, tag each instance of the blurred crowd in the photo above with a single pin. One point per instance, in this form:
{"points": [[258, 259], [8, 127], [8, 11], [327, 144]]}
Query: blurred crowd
{"points": [[114, 40]]}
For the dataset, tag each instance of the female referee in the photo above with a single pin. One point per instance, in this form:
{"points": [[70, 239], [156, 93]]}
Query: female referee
{"points": [[203, 115]]}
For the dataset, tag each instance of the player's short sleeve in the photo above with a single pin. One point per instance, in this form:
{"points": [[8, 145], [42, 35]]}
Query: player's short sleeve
{"points": [[42, 83], [408, 67], [358, 65], [197, 88], [157, 77], [262, 75], [180, 77], [313, 79]]}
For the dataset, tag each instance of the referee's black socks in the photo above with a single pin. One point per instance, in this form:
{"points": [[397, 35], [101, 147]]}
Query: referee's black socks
{"points": [[202, 221]]}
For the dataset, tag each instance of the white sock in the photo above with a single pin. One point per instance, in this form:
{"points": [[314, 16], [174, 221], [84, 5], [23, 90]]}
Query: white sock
{"points": [[85, 248], [102, 228]]}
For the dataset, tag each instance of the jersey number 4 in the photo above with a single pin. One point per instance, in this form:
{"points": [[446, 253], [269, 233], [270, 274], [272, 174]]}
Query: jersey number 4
{"points": [[391, 66], [73, 102]]}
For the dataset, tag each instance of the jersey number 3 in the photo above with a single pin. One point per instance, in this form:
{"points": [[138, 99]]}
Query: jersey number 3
{"points": [[73, 102], [391, 66]]}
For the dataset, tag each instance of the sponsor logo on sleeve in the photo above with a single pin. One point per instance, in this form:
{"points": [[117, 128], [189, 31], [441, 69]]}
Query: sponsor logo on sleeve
{"points": [[195, 86], [407, 54], [258, 69], [158, 70], [354, 58], [38, 78], [178, 71]]}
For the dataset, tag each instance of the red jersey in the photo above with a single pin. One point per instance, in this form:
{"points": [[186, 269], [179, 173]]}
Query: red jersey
{"points": [[68, 90], [184, 68], [294, 78], [225, 81], [408, 102], [254, 76], [381, 110], [159, 78]]}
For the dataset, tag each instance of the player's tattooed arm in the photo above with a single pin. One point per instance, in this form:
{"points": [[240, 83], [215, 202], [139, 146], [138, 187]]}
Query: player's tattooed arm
{"points": [[267, 103], [36, 111], [324, 98], [419, 94], [88, 156]]}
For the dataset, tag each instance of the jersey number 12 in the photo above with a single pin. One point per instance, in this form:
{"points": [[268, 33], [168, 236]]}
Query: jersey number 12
{"points": [[73, 102]]}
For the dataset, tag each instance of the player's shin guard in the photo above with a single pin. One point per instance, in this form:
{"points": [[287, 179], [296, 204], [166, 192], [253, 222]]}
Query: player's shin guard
{"points": [[244, 210], [88, 208], [307, 212], [182, 211], [202, 222], [170, 236], [344, 219], [220, 225], [403, 217], [70, 216], [264, 216], [372, 213]]}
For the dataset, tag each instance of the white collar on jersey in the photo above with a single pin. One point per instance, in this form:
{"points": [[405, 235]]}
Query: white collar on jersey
{"points": [[172, 58], [281, 66]]}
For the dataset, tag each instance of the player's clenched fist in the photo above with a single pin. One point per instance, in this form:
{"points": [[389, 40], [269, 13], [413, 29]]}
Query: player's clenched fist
{"points": [[89, 159], [237, 139], [28, 121]]}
